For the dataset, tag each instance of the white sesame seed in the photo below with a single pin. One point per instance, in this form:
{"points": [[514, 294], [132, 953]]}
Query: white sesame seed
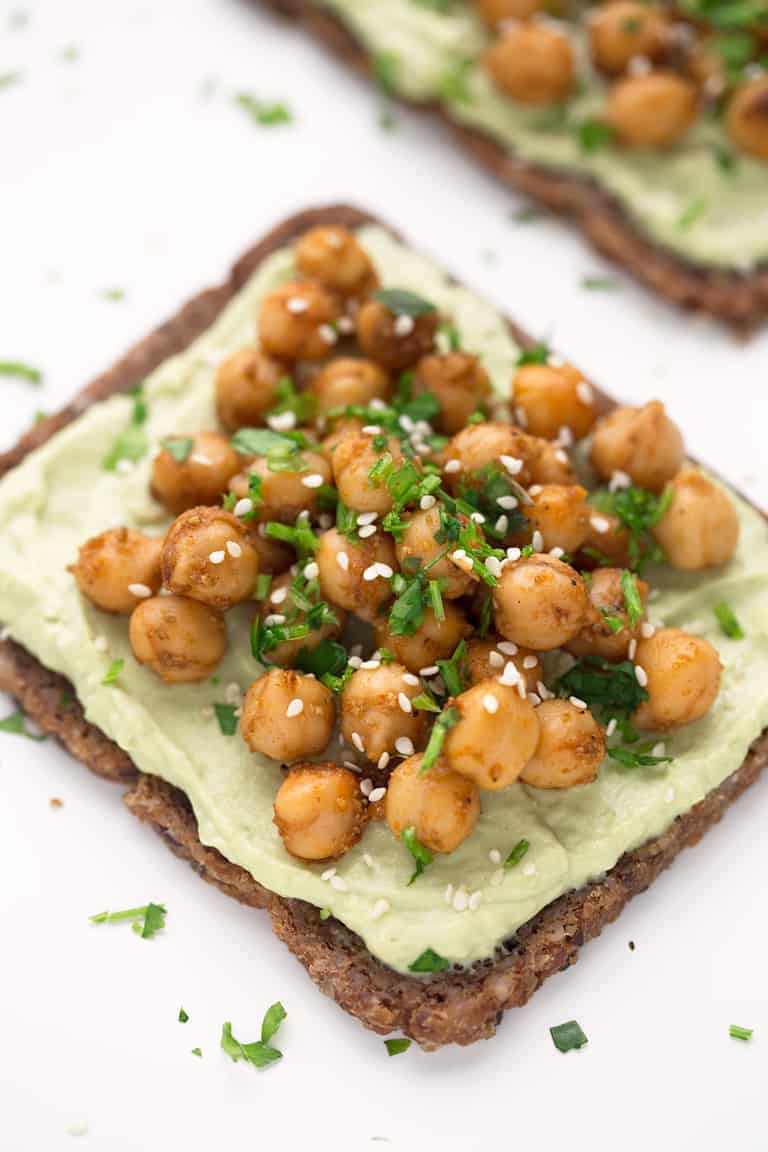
{"points": [[405, 703], [295, 708], [513, 555], [641, 676], [659, 749], [409, 678], [366, 531], [584, 392], [218, 556], [578, 703], [234, 549], [647, 629], [493, 566], [600, 524], [404, 746], [521, 416], [274, 618], [367, 518], [618, 480], [124, 466], [474, 901], [632, 649], [350, 763], [339, 883], [429, 670], [311, 570], [370, 665], [669, 795], [140, 590], [452, 466], [512, 465], [371, 572], [490, 704], [529, 870], [380, 908], [296, 305], [530, 661], [448, 894], [357, 740], [535, 490], [427, 502], [278, 596], [461, 899], [498, 878], [328, 333], [565, 437], [537, 541], [561, 456], [495, 659], [494, 856], [508, 503], [314, 480], [371, 430], [342, 559], [377, 794], [383, 761], [507, 647], [502, 524], [329, 872], [404, 325], [533, 699], [612, 726], [522, 688], [282, 421], [477, 518], [510, 676], [368, 859], [232, 693], [366, 786], [101, 644], [355, 662]]}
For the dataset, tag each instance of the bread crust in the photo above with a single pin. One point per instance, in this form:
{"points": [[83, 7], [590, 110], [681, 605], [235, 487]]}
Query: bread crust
{"points": [[739, 299], [460, 1006]]}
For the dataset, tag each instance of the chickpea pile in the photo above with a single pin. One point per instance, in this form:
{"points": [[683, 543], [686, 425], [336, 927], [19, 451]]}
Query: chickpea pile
{"points": [[660, 71], [367, 477]]}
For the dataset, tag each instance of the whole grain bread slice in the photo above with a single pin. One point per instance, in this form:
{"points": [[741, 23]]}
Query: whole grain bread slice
{"points": [[459, 1006], [739, 298]]}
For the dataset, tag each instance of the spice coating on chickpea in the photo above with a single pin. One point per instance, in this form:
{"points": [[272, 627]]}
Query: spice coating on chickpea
{"points": [[561, 514], [199, 478], [346, 381], [296, 321], [395, 340], [553, 397], [118, 568], [377, 710], [570, 750], [356, 574], [433, 640], [319, 811], [652, 111], [246, 388], [180, 640], [700, 527], [361, 465], [287, 715], [540, 603], [623, 30], [607, 632], [441, 805], [458, 382], [418, 547], [284, 493], [336, 258], [643, 442], [682, 675], [207, 555], [495, 737], [532, 63], [746, 118]]}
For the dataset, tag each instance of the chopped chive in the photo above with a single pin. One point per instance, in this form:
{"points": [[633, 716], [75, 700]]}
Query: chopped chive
{"points": [[227, 718], [739, 1033], [517, 853], [728, 622], [421, 854], [397, 1045], [20, 370], [183, 1017], [567, 1037], [112, 673]]}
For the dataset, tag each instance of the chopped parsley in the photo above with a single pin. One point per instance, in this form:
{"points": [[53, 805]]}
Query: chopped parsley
{"points": [[260, 1053], [517, 853], [535, 354], [450, 333], [131, 445], [385, 67], [264, 442], [325, 913], [146, 921], [421, 854], [447, 719], [18, 368], [183, 1017], [638, 757], [528, 214], [267, 113], [397, 1045], [302, 404], [611, 690], [599, 283], [454, 83], [593, 134], [639, 511], [197, 1051], [424, 703], [327, 661], [455, 672], [632, 601], [728, 621], [16, 723], [567, 1037], [403, 302], [739, 1033], [227, 718], [112, 673], [693, 211], [429, 961], [178, 447]]}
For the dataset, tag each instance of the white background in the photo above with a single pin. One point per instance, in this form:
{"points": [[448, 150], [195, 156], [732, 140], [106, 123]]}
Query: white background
{"points": [[131, 168]]}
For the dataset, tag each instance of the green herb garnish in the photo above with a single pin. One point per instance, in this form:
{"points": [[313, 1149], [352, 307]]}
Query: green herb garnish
{"points": [[226, 716], [593, 134], [728, 621], [599, 283], [455, 671], [610, 689], [421, 854], [634, 604], [112, 673], [15, 723], [146, 921], [695, 209], [397, 1045], [268, 113], [429, 961], [639, 757], [183, 1017], [567, 1037], [536, 354], [178, 447], [131, 445], [197, 1051], [739, 1033], [262, 442], [403, 302], [259, 1053], [517, 853], [638, 511], [19, 369], [447, 719]]}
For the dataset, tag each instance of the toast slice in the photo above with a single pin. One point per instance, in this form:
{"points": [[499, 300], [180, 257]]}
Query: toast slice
{"points": [[459, 1006], [738, 298]]}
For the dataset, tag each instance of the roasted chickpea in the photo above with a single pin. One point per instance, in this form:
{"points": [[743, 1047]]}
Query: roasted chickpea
{"points": [[433, 640], [246, 388], [495, 737], [295, 321], [607, 542], [486, 661], [624, 29], [208, 556], [392, 339], [560, 513], [287, 715], [481, 445], [180, 640], [458, 382], [274, 556], [199, 478], [683, 679], [118, 568], [354, 461], [570, 750], [375, 706], [700, 528], [319, 811], [418, 547], [550, 464], [746, 120], [337, 259], [651, 111], [540, 603], [643, 442], [442, 806], [532, 63], [348, 575], [553, 397], [283, 495], [607, 632], [497, 11], [281, 602], [342, 430], [349, 381]]}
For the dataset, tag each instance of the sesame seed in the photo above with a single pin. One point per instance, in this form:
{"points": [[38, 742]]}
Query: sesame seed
{"points": [[530, 661], [502, 524], [512, 465], [232, 693], [282, 421], [427, 502], [357, 740], [448, 894], [217, 557], [366, 531], [461, 899], [274, 618], [659, 749], [647, 629], [510, 676], [140, 590], [578, 703], [370, 665], [367, 518], [618, 480], [513, 555], [507, 647], [494, 856], [404, 325], [371, 572], [537, 541], [405, 703], [632, 649], [311, 571], [565, 437], [543, 691], [498, 878], [366, 786], [124, 466], [383, 761], [343, 561], [329, 872], [612, 726], [452, 466], [521, 416], [584, 392], [234, 549], [600, 524], [474, 901], [339, 883], [278, 596], [429, 670], [328, 333], [529, 870], [377, 794], [350, 764], [533, 699], [535, 490], [490, 704], [295, 708], [101, 644], [409, 678], [641, 676], [669, 795], [495, 659], [561, 456], [371, 430], [508, 503], [380, 908], [477, 518], [368, 859], [296, 305], [404, 746], [557, 553], [314, 480]]}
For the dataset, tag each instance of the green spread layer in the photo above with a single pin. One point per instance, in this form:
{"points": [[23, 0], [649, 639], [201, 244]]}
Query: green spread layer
{"points": [[683, 198], [61, 495]]}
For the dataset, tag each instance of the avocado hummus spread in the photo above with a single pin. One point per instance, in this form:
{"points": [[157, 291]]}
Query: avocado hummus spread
{"points": [[61, 494], [697, 198]]}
